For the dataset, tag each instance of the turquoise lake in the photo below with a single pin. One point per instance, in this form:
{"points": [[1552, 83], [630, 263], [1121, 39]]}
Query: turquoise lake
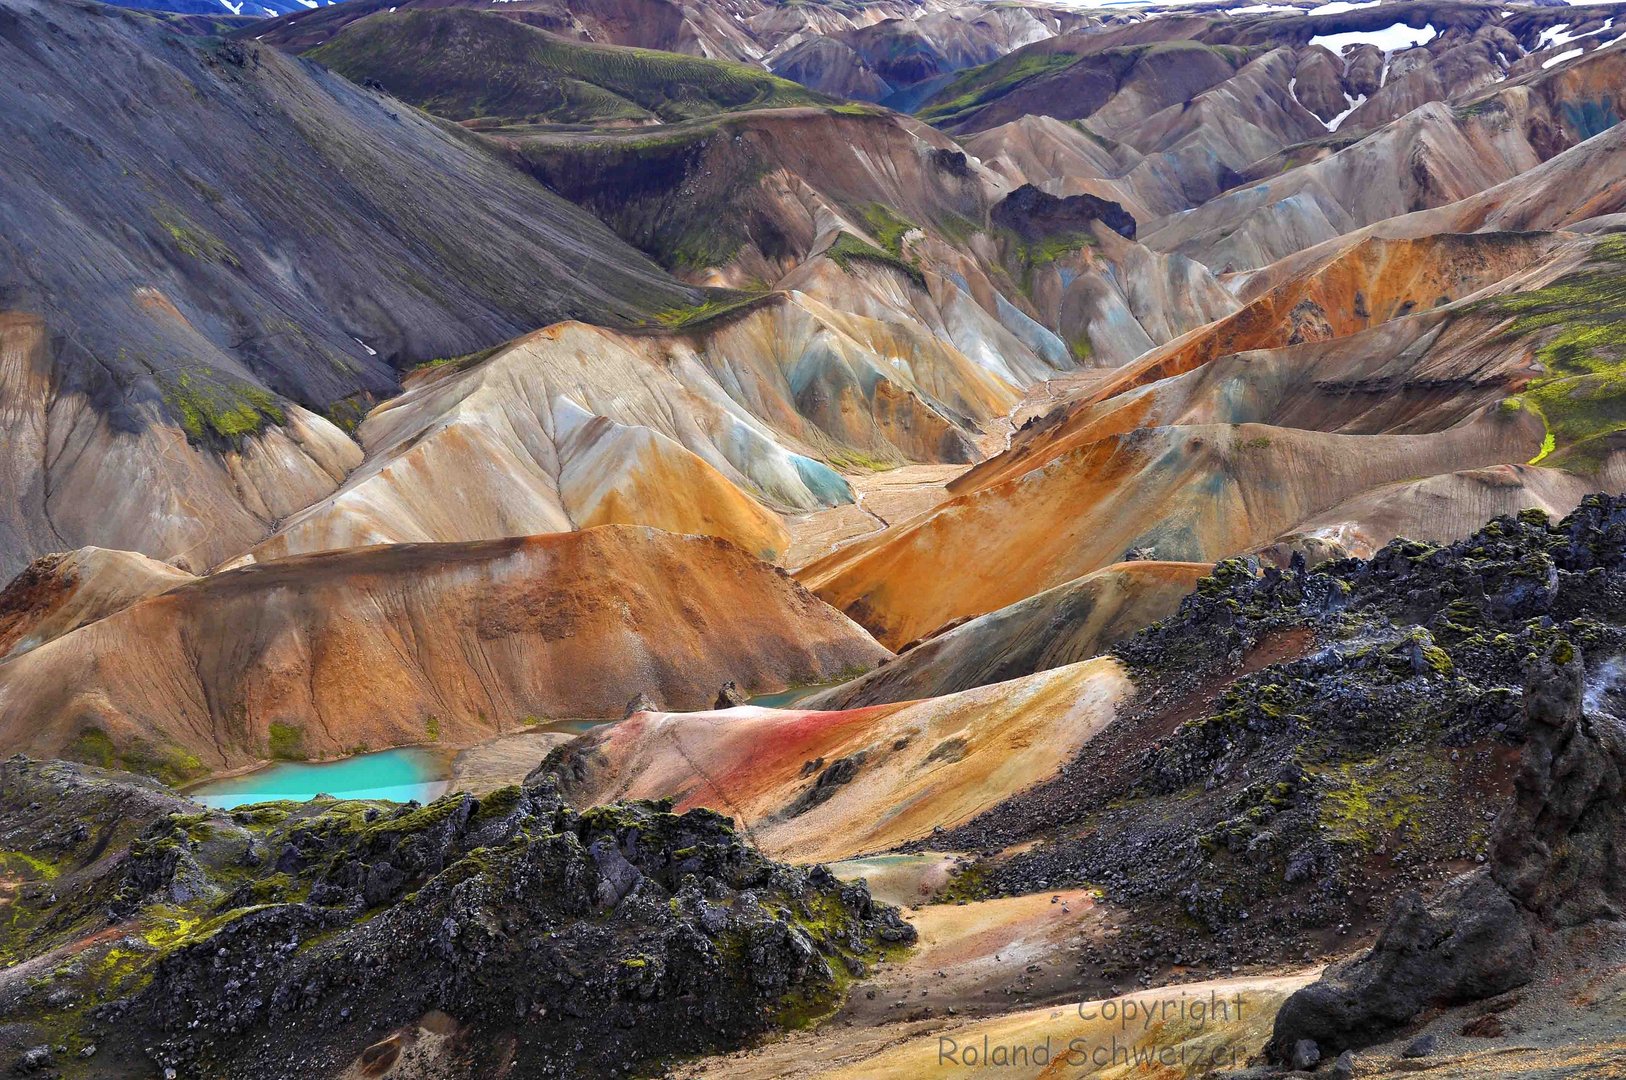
{"points": [[401, 774]]}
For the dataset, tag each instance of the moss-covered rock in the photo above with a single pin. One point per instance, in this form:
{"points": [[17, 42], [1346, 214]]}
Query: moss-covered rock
{"points": [[1309, 745], [284, 939]]}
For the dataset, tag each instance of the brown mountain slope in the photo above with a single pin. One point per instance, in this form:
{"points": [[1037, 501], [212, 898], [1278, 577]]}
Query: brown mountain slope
{"points": [[1188, 493], [63, 591], [325, 654], [1357, 286]]}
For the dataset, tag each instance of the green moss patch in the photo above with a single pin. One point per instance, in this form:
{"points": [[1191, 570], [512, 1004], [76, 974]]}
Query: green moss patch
{"points": [[191, 239], [211, 408], [978, 86], [286, 742], [171, 764], [1371, 803], [716, 306], [848, 249]]}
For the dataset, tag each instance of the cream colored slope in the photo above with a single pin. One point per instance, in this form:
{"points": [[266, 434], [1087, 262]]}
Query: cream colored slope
{"points": [[74, 477], [1063, 625], [857, 363], [1167, 1032], [704, 431], [569, 426], [614, 475], [62, 592], [1192, 493], [1182, 1031], [904, 769], [957, 309], [401, 644], [1440, 509]]}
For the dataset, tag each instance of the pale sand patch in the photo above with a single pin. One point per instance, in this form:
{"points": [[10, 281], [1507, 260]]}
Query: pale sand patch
{"points": [[884, 499], [1184, 1037], [900, 879], [1172, 1031], [503, 760], [982, 958]]}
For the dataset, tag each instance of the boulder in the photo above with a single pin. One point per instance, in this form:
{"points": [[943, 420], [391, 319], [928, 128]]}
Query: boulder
{"points": [[1557, 860], [641, 702]]}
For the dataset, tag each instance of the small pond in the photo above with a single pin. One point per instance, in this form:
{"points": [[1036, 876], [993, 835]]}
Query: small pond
{"points": [[401, 774], [787, 699]]}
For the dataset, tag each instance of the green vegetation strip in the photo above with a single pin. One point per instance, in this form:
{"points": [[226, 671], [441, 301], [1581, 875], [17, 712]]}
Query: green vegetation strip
{"points": [[477, 65], [1581, 396]]}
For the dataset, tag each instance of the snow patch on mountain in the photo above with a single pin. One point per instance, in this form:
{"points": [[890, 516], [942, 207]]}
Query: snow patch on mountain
{"points": [[1389, 39]]}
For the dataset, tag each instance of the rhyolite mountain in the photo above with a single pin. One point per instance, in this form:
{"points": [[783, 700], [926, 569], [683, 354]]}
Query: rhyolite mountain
{"points": [[477, 65], [213, 252], [539, 618], [236, 9], [1131, 485], [868, 50]]}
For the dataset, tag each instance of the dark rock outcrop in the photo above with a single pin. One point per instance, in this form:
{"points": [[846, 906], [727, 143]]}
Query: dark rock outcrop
{"points": [[641, 702], [731, 695], [1558, 859], [1036, 215]]}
